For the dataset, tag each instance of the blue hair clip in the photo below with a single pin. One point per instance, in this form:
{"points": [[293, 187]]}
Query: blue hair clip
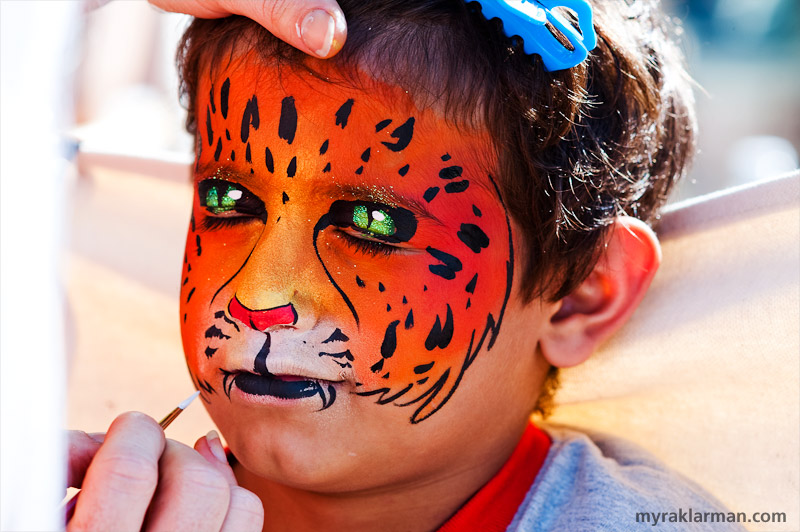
{"points": [[527, 18]]}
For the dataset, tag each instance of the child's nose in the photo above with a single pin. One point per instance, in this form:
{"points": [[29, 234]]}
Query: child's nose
{"points": [[261, 320]]}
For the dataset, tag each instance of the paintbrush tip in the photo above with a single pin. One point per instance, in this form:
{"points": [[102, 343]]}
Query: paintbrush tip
{"points": [[188, 400]]}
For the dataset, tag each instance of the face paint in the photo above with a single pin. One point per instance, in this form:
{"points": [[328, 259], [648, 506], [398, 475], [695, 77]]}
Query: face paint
{"points": [[343, 244]]}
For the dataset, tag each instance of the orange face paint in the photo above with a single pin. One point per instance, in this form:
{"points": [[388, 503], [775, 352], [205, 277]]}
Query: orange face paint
{"points": [[342, 242]]}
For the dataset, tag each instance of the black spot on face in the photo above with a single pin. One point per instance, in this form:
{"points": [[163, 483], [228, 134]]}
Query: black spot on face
{"points": [[403, 134], [382, 124], [336, 336], [430, 194], [343, 113], [287, 124], [223, 97], [476, 211], [248, 155], [446, 157], [440, 336], [346, 355], [233, 155], [409, 319], [456, 186], [448, 267], [389, 343], [218, 150], [323, 148], [359, 170], [473, 237], [365, 155], [227, 134], [216, 332], [211, 99], [471, 284], [191, 293], [403, 171], [450, 172], [327, 168], [221, 315], [209, 130], [270, 163], [381, 288], [249, 117], [377, 367], [285, 198], [197, 243], [423, 368], [292, 168], [360, 282], [210, 352]]}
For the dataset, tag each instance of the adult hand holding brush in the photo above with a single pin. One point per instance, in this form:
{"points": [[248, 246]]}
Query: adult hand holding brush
{"points": [[133, 478]]}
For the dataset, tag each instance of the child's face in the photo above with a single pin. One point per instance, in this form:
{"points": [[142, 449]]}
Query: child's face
{"points": [[349, 257]]}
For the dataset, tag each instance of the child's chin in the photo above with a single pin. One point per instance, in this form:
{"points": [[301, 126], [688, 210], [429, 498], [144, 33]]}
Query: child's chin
{"points": [[317, 464], [330, 451]]}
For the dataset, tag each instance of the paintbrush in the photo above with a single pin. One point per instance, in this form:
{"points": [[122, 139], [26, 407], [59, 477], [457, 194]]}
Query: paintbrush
{"points": [[169, 418], [69, 508]]}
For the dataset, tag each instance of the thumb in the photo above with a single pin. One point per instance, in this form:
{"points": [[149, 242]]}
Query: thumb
{"points": [[210, 447], [316, 27]]}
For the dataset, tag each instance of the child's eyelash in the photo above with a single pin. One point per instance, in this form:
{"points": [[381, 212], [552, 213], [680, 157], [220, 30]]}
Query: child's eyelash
{"points": [[368, 247], [211, 223]]}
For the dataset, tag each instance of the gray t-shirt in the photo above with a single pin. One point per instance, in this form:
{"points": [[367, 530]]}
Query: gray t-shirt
{"points": [[594, 482]]}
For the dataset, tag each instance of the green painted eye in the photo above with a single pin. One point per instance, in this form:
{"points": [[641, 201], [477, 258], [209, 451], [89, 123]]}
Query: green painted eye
{"points": [[228, 201], [382, 223], [377, 222], [360, 216]]}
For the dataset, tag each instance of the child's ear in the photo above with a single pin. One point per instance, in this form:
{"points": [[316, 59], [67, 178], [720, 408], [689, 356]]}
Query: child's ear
{"points": [[606, 299]]}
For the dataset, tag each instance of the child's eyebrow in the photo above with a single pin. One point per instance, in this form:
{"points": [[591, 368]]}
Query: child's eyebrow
{"points": [[223, 172], [377, 194]]}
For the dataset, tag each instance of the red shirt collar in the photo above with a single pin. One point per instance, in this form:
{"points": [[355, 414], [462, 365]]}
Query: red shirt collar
{"points": [[493, 507]]}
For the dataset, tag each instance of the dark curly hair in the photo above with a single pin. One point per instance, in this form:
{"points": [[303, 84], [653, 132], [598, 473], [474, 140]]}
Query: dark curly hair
{"points": [[575, 148]]}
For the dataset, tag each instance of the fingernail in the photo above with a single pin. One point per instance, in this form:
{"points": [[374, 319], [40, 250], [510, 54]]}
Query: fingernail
{"points": [[317, 32], [212, 438], [99, 437]]}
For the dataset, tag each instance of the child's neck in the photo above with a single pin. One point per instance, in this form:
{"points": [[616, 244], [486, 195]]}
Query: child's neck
{"points": [[424, 505]]}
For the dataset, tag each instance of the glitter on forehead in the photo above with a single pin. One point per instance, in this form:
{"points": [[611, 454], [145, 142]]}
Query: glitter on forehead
{"points": [[376, 194]]}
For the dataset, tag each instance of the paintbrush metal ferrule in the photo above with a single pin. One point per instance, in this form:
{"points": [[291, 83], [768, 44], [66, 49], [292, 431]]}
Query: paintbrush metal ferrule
{"points": [[169, 418]]}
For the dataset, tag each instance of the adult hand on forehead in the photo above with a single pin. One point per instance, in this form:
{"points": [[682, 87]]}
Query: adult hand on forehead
{"points": [[132, 478], [317, 27]]}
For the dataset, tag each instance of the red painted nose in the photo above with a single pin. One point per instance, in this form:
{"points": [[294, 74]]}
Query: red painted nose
{"points": [[261, 320]]}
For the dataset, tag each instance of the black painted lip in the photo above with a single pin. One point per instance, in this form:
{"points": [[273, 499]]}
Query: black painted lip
{"points": [[253, 384]]}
